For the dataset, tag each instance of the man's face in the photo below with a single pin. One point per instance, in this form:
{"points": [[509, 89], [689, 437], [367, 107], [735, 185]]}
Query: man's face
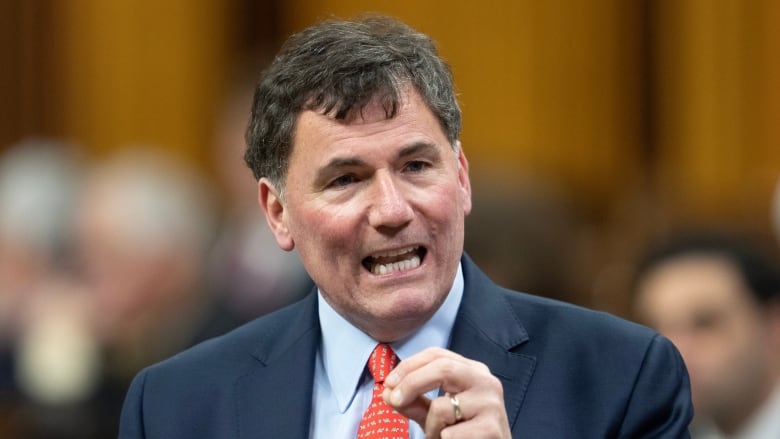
{"points": [[701, 303], [376, 209]]}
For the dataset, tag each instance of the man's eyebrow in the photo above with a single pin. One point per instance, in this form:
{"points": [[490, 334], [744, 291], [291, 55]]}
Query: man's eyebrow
{"points": [[417, 148], [341, 162]]}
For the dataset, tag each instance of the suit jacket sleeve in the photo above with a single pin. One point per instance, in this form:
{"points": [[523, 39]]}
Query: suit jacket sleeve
{"points": [[660, 405]]}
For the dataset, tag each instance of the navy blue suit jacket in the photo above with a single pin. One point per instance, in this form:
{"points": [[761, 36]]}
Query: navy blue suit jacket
{"points": [[567, 372]]}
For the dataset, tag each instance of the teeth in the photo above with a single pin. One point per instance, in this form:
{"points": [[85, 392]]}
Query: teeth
{"points": [[394, 253], [407, 264]]}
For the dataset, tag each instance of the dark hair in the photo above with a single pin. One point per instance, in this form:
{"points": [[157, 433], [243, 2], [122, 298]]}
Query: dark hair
{"points": [[759, 272], [340, 66]]}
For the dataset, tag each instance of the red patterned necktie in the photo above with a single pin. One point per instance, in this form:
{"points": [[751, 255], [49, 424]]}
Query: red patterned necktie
{"points": [[380, 421]]}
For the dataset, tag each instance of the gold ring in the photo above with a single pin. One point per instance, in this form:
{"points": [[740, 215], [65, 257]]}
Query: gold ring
{"points": [[456, 408]]}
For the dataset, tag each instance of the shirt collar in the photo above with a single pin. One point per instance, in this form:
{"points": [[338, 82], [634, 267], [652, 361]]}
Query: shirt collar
{"points": [[345, 349]]}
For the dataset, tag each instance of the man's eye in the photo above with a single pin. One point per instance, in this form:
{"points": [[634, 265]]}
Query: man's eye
{"points": [[708, 320], [416, 166], [342, 181]]}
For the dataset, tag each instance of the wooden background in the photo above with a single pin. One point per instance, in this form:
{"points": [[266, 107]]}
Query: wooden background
{"points": [[638, 116]]}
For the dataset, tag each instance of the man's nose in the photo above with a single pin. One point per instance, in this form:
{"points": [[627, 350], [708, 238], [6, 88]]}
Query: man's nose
{"points": [[389, 205]]}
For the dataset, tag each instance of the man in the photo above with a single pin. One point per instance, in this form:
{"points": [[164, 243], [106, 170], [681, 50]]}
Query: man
{"points": [[354, 142], [719, 302]]}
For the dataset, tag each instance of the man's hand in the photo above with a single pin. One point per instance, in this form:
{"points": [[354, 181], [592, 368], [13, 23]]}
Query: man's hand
{"points": [[476, 392]]}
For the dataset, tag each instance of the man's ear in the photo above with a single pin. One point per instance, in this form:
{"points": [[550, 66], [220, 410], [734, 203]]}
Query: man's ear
{"points": [[463, 178], [275, 213]]}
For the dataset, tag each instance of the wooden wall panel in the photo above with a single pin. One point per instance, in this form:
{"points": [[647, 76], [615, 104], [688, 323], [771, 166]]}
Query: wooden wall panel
{"points": [[717, 157], [145, 72], [28, 96], [768, 51], [648, 113]]}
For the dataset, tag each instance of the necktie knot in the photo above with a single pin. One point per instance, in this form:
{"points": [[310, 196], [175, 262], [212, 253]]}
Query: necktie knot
{"points": [[381, 362]]}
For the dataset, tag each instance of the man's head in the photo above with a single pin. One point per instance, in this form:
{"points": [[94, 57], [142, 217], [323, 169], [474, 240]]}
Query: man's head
{"points": [[143, 226], [353, 139], [718, 301], [339, 67]]}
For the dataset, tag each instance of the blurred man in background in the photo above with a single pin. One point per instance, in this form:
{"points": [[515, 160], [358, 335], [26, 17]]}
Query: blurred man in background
{"points": [[129, 289], [143, 230], [38, 185], [39, 182], [247, 270], [719, 302]]}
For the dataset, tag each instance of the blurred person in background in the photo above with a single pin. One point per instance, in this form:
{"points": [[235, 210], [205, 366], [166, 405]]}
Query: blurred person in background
{"points": [[250, 274], [537, 249], [718, 300], [143, 228], [141, 232], [39, 181]]}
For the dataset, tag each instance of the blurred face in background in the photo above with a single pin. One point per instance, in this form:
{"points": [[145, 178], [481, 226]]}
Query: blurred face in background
{"points": [[125, 277], [702, 304], [139, 239]]}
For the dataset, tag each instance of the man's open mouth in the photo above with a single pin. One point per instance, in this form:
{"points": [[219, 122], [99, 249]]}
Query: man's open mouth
{"points": [[397, 260]]}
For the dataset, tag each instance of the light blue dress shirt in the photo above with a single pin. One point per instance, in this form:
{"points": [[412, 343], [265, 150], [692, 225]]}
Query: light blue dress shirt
{"points": [[342, 391]]}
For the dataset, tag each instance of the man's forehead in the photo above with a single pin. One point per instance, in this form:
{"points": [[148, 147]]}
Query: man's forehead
{"points": [[701, 279]]}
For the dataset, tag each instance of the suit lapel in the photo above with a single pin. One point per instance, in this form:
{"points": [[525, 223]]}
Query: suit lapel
{"points": [[274, 397], [488, 330]]}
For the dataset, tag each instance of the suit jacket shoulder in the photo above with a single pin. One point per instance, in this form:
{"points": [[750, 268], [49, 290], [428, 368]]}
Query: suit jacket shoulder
{"points": [[568, 371], [245, 383]]}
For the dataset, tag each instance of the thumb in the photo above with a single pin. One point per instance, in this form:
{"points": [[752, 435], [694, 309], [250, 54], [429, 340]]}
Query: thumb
{"points": [[416, 410]]}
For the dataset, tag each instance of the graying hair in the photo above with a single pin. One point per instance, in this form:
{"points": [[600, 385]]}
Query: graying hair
{"points": [[337, 67]]}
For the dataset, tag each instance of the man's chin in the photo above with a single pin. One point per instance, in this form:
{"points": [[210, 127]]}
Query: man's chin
{"points": [[405, 316]]}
